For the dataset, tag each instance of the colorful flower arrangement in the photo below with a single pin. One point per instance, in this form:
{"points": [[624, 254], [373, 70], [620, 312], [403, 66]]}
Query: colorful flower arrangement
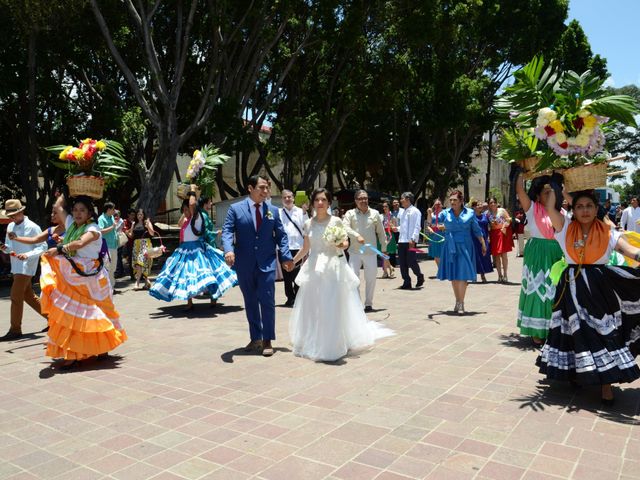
{"points": [[203, 166], [571, 134], [102, 158]]}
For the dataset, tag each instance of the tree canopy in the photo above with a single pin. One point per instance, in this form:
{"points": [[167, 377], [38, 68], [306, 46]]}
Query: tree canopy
{"points": [[393, 94]]}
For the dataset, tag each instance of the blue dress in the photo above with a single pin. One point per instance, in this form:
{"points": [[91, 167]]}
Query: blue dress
{"points": [[193, 267], [435, 247], [458, 260], [483, 263]]}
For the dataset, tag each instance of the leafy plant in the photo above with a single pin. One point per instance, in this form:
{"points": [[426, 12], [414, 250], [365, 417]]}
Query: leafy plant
{"points": [[203, 166]]}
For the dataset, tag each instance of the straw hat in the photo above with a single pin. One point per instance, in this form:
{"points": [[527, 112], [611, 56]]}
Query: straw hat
{"points": [[11, 207]]}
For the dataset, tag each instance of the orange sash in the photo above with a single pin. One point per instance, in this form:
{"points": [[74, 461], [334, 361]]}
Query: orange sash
{"points": [[587, 251]]}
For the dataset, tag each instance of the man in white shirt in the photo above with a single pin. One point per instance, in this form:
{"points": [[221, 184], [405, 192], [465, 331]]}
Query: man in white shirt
{"points": [[631, 217], [24, 263], [364, 226], [409, 220], [292, 219]]}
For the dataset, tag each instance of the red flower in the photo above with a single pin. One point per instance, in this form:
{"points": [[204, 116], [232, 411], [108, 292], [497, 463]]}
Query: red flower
{"points": [[578, 123], [550, 131], [563, 145]]}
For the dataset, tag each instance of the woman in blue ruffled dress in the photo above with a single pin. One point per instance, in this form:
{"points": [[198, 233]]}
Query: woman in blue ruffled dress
{"points": [[458, 261], [483, 262], [195, 266]]}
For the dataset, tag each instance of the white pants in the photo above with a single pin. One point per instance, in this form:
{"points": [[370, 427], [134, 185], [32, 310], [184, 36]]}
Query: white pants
{"points": [[111, 266], [370, 262]]}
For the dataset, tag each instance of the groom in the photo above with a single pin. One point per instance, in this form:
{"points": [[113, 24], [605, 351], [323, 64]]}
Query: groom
{"points": [[258, 231]]}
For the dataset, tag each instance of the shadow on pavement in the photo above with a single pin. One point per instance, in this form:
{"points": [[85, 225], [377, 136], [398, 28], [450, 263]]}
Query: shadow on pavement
{"points": [[227, 357], [199, 310], [451, 313], [561, 395], [518, 341], [26, 341], [107, 363]]}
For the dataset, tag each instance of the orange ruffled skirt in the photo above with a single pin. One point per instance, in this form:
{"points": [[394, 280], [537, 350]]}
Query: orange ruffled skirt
{"points": [[83, 321]]}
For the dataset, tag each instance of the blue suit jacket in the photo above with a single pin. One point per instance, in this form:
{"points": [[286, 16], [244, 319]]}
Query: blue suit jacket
{"points": [[254, 248]]}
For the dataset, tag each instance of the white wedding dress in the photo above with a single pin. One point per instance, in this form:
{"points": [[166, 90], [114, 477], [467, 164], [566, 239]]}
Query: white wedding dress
{"points": [[328, 319]]}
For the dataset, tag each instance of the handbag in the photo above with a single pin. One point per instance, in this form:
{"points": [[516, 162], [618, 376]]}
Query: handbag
{"points": [[122, 239], [155, 252]]}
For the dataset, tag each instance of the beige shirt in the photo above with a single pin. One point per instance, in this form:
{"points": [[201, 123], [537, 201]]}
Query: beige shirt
{"points": [[369, 225]]}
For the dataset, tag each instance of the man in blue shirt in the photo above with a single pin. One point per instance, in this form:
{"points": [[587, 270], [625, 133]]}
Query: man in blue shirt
{"points": [[24, 263], [108, 229]]}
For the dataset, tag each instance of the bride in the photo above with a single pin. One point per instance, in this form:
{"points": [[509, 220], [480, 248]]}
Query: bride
{"points": [[328, 319]]}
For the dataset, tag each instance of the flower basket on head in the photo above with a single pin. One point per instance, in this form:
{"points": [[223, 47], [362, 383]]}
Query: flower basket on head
{"points": [[202, 169], [91, 166], [570, 115], [585, 177], [89, 186]]}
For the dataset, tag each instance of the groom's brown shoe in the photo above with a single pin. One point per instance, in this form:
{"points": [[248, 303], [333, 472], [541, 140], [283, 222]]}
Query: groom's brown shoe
{"points": [[253, 345], [267, 349]]}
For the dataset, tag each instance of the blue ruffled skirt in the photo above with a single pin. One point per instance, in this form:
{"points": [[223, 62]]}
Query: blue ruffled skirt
{"points": [[193, 268]]}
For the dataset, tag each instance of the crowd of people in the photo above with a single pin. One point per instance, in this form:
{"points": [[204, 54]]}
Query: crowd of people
{"points": [[585, 319]]}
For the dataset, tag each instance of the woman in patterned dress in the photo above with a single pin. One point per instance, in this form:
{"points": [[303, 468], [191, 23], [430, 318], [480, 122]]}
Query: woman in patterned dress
{"points": [[500, 238], [142, 263], [594, 334], [540, 253]]}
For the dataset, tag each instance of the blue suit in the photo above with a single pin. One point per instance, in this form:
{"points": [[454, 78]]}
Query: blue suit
{"points": [[255, 263]]}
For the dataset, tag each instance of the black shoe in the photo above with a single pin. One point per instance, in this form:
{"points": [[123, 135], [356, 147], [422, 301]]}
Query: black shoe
{"points": [[10, 336], [368, 308], [289, 303], [608, 402], [406, 287], [45, 329], [69, 366], [420, 281]]}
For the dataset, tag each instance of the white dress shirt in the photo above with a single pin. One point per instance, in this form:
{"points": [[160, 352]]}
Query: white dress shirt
{"points": [[630, 218], [409, 225], [26, 229], [298, 217]]}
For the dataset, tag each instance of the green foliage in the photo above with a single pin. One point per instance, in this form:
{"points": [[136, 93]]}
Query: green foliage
{"points": [[206, 161]]}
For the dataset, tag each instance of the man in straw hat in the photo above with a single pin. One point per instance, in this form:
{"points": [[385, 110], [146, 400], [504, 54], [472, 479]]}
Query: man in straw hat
{"points": [[24, 263]]}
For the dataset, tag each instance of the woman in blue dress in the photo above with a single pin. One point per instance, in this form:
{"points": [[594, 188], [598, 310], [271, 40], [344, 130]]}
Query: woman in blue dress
{"points": [[194, 266], [458, 261], [483, 262], [435, 246]]}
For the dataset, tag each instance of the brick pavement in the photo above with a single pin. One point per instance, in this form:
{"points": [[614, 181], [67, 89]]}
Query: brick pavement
{"points": [[446, 398]]}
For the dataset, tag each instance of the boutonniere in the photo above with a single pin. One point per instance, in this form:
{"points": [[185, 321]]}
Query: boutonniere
{"points": [[269, 215]]}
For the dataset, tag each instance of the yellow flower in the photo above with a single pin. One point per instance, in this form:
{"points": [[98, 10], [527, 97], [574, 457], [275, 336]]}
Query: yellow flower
{"points": [[561, 137], [590, 121], [582, 140], [86, 140], [557, 126], [584, 113], [587, 131], [63, 153], [101, 145], [78, 153]]}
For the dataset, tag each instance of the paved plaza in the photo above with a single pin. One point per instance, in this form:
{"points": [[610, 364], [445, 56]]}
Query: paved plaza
{"points": [[447, 397]]}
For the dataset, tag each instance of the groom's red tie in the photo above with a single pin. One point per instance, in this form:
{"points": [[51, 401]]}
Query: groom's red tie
{"points": [[258, 217]]}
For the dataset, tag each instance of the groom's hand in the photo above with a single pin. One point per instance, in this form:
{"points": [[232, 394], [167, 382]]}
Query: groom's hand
{"points": [[288, 265], [230, 258]]}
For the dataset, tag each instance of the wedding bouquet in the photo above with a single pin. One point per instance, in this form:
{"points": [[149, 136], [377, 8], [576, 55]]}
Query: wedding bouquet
{"points": [[335, 235]]}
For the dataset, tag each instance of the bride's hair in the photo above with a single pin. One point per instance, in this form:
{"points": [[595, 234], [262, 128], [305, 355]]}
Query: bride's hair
{"points": [[318, 191]]}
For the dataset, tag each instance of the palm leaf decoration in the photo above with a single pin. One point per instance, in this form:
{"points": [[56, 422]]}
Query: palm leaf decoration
{"points": [[206, 179]]}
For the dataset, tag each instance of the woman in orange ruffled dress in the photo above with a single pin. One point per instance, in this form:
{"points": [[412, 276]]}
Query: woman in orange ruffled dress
{"points": [[76, 293]]}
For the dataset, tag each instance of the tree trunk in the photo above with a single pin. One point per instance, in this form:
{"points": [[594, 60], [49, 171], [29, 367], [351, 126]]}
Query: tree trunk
{"points": [[30, 167], [156, 181], [489, 158]]}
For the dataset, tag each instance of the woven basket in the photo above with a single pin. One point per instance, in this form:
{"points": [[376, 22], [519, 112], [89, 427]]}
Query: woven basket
{"points": [[529, 166], [585, 177], [89, 186], [184, 189]]}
